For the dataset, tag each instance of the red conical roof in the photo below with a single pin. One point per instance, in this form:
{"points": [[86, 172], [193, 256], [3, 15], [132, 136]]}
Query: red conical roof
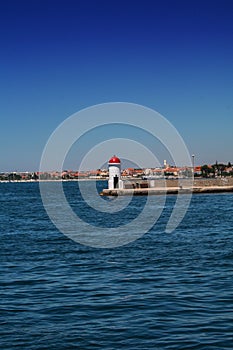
{"points": [[114, 159]]}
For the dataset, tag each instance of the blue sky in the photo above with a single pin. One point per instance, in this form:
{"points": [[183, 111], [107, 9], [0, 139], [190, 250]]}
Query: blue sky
{"points": [[58, 57]]}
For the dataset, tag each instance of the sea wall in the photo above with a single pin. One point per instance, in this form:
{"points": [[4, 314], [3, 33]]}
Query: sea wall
{"points": [[202, 182], [171, 186], [198, 182]]}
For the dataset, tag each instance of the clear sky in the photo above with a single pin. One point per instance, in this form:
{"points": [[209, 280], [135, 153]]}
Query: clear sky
{"points": [[58, 57]]}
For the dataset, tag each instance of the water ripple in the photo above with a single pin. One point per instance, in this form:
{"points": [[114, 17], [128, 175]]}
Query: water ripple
{"points": [[164, 291]]}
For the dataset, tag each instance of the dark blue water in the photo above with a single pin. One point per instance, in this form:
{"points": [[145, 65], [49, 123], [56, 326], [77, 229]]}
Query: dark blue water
{"points": [[163, 291]]}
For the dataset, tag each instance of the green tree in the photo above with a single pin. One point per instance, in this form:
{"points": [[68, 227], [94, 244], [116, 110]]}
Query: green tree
{"points": [[206, 171]]}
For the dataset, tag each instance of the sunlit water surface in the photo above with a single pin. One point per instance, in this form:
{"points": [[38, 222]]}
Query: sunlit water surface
{"points": [[162, 291]]}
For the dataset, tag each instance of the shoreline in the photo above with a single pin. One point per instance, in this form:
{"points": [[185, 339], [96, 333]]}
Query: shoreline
{"points": [[33, 181], [166, 190], [200, 185]]}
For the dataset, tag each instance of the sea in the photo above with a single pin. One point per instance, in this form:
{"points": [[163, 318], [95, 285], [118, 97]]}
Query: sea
{"points": [[161, 291]]}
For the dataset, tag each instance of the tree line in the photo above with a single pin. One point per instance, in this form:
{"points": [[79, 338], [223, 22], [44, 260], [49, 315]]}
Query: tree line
{"points": [[217, 170]]}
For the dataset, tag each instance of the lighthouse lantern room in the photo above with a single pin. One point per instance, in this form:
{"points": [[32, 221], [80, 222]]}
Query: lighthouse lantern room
{"points": [[114, 167]]}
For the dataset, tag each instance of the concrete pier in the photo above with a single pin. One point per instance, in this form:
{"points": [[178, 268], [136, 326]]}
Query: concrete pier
{"points": [[140, 188], [162, 191]]}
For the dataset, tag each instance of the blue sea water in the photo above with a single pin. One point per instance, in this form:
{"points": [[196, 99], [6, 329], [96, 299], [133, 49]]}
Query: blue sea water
{"points": [[162, 291]]}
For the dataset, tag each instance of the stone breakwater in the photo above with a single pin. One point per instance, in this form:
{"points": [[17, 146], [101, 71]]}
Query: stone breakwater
{"points": [[223, 181], [172, 186]]}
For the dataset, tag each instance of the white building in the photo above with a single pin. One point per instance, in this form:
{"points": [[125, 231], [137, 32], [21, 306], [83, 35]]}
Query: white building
{"points": [[114, 168]]}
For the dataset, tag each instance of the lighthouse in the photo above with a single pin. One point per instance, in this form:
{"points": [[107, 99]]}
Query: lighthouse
{"points": [[114, 167]]}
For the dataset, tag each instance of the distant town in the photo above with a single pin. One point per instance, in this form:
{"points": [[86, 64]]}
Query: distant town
{"points": [[170, 172]]}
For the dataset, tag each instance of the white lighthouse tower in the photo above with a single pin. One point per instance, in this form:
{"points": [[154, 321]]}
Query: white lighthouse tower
{"points": [[114, 167]]}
